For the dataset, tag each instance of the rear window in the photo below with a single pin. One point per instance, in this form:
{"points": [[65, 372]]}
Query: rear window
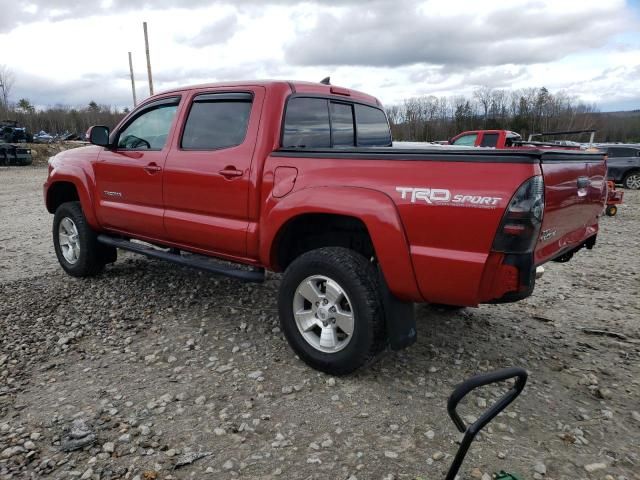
{"points": [[323, 123], [342, 129], [217, 120], [372, 126], [307, 123]]}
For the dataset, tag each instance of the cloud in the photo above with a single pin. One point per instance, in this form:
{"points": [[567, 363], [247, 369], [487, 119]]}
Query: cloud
{"points": [[22, 12], [404, 33], [46, 92], [218, 32], [209, 74], [393, 49]]}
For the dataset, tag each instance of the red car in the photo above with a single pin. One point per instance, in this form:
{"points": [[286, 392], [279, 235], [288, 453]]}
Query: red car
{"points": [[302, 178]]}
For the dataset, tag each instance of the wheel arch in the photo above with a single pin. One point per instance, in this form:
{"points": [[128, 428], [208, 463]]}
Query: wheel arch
{"points": [[308, 231], [61, 192], [69, 187], [367, 212]]}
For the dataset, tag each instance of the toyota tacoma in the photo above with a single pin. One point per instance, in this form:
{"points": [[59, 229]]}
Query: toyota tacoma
{"points": [[302, 178]]}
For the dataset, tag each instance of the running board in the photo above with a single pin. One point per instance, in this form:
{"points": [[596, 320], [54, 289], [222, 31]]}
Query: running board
{"points": [[199, 262]]}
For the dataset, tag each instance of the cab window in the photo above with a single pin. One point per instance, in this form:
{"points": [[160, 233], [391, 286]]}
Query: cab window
{"points": [[342, 130], [489, 140], [149, 130], [467, 140], [216, 121], [622, 152], [306, 124], [372, 127]]}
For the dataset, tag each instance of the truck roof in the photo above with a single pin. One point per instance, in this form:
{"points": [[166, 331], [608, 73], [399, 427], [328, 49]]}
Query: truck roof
{"points": [[295, 86]]}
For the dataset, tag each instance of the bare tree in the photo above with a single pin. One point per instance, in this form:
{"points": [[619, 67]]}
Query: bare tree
{"points": [[524, 111], [483, 95], [6, 84]]}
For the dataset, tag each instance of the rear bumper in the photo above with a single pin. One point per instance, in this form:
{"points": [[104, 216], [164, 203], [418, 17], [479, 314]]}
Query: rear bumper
{"points": [[469, 279], [529, 272], [517, 283]]}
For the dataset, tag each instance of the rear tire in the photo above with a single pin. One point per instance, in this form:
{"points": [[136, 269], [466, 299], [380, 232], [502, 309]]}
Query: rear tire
{"points": [[76, 244], [331, 310], [632, 181]]}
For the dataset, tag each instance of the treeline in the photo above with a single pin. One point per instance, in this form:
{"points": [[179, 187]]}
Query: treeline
{"points": [[524, 111], [426, 118], [60, 119]]}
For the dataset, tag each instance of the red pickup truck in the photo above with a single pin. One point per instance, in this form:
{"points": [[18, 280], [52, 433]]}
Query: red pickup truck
{"points": [[302, 178]]}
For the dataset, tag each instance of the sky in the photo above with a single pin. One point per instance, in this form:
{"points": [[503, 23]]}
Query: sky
{"points": [[73, 51]]}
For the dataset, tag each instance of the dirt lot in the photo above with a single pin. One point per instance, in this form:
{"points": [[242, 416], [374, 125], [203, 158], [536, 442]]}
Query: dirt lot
{"points": [[150, 362]]}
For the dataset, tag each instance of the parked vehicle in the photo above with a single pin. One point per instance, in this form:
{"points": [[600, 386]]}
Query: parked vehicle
{"points": [[42, 137], [486, 138], [301, 178], [509, 139], [614, 198], [623, 164], [11, 132], [14, 155]]}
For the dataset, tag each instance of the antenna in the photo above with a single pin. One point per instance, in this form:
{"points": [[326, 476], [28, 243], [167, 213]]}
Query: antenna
{"points": [[326, 81]]}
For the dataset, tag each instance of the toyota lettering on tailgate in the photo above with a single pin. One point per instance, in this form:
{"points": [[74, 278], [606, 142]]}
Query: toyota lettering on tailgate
{"points": [[433, 196]]}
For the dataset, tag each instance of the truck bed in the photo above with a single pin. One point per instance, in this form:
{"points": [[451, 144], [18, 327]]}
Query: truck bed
{"points": [[450, 243]]}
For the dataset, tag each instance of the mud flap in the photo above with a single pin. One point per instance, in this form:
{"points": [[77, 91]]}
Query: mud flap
{"points": [[400, 319]]}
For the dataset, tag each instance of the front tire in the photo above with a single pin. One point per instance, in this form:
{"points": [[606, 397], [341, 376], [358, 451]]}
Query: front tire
{"points": [[76, 244], [331, 310], [632, 181]]}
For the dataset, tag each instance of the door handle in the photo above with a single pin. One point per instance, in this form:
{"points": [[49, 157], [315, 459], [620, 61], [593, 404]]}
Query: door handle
{"points": [[230, 172], [152, 168]]}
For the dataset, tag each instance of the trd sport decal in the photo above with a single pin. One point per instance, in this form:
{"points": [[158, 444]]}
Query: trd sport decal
{"points": [[433, 196]]}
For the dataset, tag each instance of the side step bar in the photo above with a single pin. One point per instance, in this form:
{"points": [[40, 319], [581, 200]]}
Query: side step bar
{"points": [[199, 262]]}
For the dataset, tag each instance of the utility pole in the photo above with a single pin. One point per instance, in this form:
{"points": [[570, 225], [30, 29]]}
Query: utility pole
{"points": [[146, 47], [133, 82]]}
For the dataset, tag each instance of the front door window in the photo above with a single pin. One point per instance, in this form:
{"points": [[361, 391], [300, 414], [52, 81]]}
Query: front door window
{"points": [[149, 130]]}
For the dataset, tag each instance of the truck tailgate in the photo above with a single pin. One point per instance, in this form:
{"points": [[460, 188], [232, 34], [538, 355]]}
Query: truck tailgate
{"points": [[575, 192]]}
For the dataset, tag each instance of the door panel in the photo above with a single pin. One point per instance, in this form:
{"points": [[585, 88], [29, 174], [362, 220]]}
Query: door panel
{"points": [[129, 176], [206, 177], [130, 197]]}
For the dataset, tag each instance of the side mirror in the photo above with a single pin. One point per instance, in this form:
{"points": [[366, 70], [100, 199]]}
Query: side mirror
{"points": [[98, 135]]}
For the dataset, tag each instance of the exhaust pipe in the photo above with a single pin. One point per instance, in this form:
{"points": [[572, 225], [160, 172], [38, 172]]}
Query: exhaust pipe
{"points": [[539, 272]]}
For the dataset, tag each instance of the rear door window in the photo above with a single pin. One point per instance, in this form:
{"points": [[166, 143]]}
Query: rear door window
{"points": [[216, 121], [622, 152], [489, 140], [372, 127], [306, 123]]}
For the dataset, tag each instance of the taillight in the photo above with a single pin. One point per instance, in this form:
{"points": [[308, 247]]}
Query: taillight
{"points": [[521, 222]]}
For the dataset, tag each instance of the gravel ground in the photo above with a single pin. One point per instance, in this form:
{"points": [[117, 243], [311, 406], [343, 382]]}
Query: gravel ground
{"points": [[149, 366]]}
